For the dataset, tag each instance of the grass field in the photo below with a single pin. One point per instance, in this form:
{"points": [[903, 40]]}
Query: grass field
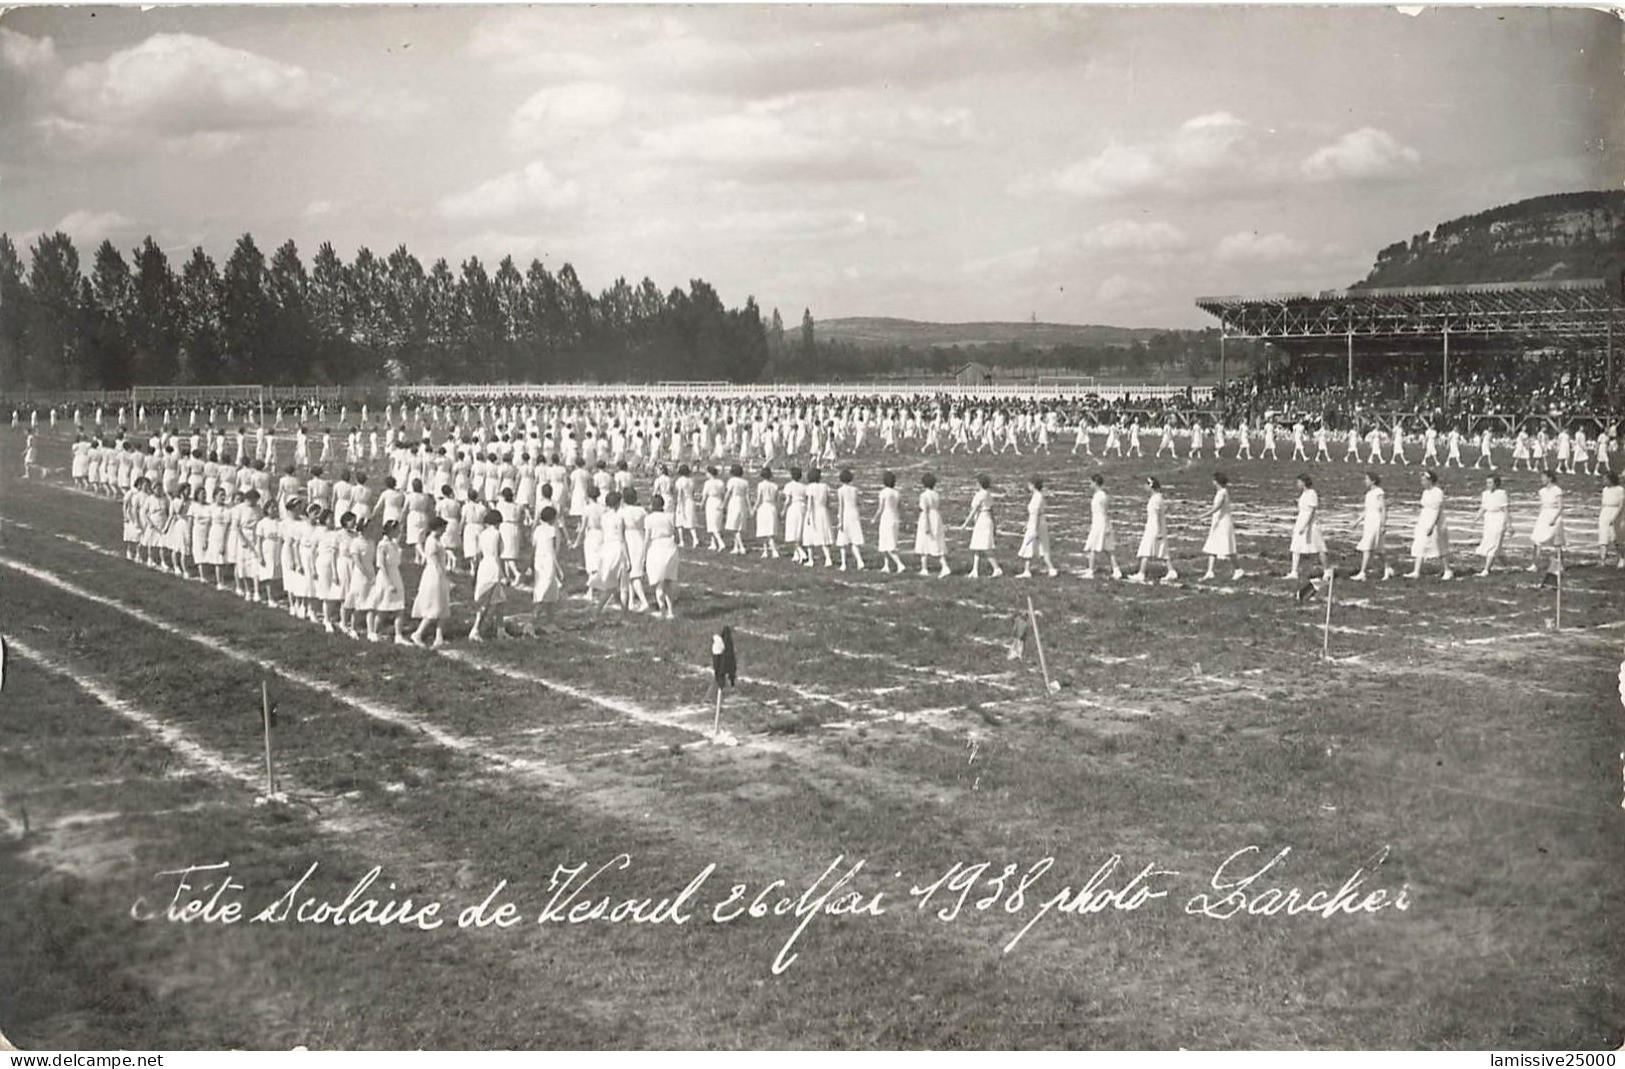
{"points": [[1455, 753]]}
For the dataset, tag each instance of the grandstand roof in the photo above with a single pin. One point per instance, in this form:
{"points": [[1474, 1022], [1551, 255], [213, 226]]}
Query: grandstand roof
{"points": [[1582, 308]]}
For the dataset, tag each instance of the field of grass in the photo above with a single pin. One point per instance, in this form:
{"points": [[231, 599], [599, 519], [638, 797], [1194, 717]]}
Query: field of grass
{"points": [[1455, 753]]}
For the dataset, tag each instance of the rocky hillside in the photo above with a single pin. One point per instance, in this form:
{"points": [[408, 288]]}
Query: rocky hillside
{"points": [[1564, 236]]}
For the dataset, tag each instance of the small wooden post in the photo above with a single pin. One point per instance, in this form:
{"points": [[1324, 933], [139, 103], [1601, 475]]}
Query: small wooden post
{"points": [[1557, 624], [1032, 618], [1326, 631], [265, 708]]}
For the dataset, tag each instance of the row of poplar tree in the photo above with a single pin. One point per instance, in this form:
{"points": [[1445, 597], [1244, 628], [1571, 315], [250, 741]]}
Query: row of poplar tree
{"points": [[274, 320]]}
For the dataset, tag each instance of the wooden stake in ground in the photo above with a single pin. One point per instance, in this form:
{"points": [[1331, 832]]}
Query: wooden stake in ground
{"points": [[1032, 618], [1557, 623], [1326, 631], [265, 709]]}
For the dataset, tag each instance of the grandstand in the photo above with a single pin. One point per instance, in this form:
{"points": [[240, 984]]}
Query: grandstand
{"points": [[1500, 318]]}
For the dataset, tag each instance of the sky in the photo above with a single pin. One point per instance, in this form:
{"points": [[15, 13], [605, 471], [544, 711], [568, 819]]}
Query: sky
{"points": [[1080, 165]]}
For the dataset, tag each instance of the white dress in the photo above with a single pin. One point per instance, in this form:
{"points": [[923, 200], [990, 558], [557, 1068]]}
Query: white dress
{"points": [[433, 600], [928, 534], [1549, 523], [1374, 521], [1425, 545], [886, 536], [981, 532], [767, 508], [815, 528], [545, 549], [850, 532], [1035, 539], [1221, 532], [1306, 537], [795, 511], [1101, 539], [660, 562], [488, 589], [612, 556], [1494, 503], [1154, 541], [1609, 519]]}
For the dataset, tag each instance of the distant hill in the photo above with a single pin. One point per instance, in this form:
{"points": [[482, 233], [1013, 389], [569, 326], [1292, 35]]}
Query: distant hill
{"points": [[1563, 236], [880, 332]]}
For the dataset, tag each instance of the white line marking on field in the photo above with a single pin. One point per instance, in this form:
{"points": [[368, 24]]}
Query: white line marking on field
{"points": [[941, 673], [170, 736], [628, 709], [552, 775]]}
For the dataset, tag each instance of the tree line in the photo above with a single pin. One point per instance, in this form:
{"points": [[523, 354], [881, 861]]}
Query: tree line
{"points": [[276, 321]]}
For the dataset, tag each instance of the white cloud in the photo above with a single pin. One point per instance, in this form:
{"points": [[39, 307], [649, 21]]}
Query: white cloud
{"points": [[1249, 246], [20, 52], [567, 109], [1215, 150], [88, 228], [181, 84], [1122, 289], [533, 188], [1131, 236], [1364, 154]]}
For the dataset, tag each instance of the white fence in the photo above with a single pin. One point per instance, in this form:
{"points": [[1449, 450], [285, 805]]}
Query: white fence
{"points": [[1017, 391]]}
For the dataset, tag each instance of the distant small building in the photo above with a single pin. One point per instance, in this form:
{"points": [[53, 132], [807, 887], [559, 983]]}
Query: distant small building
{"points": [[973, 374]]}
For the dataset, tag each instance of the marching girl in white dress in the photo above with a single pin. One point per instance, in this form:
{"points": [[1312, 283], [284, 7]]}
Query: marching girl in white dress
{"points": [[663, 490], [178, 535], [489, 592], [328, 590], [246, 520], [220, 526], [1611, 520], [736, 495], [388, 594], [419, 510], [470, 518], [268, 537], [1035, 539], [433, 601], [356, 556], [1306, 536], [660, 561], [849, 532], [1432, 538], [711, 493], [1221, 531], [1520, 451], [293, 576], [202, 516], [605, 583], [590, 538], [1494, 513], [547, 576], [508, 531], [795, 514], [886, 522], [1154, 539], [580, 480], [685, 514], [1548, 532], [982, 532], [448, 508], [1101, 538], [767, 513], [1373, 528], [635, 518], [815, 529]]}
